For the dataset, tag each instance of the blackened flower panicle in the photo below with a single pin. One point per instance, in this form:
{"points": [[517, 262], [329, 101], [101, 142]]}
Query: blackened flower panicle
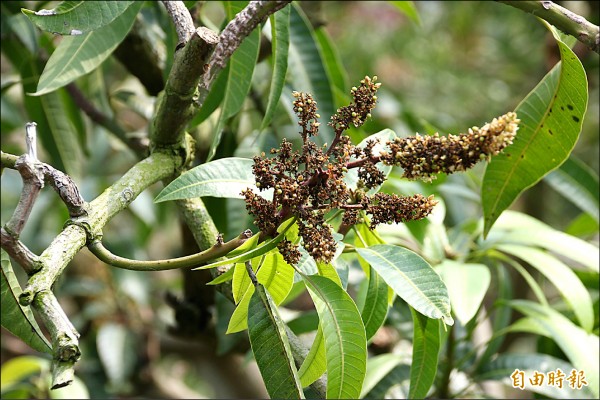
{"points": [[424, 156], [309, 183]]}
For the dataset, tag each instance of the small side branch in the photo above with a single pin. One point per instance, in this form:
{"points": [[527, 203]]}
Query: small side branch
{"points": [[565, 20], [232, 36], [184, 25], [217, 250]]}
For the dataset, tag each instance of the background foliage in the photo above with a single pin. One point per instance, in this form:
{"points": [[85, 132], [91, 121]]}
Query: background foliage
{"points": [[445, 66]]}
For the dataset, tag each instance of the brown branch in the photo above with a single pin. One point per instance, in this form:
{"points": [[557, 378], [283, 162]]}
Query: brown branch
{"points": [[184, 24]]}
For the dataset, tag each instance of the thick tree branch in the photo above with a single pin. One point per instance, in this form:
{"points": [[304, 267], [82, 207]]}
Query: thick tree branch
{"points": [[565, 20], [232, 36], [184, 25]]}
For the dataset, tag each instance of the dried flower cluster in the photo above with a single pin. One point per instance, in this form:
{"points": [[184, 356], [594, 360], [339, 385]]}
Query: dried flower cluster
{"points": [[309, 183]]}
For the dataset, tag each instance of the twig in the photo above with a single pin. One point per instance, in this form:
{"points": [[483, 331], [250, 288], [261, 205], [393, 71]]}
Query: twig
{"points": [[138, 145], [20, 253], [565, 20], [232, 36], [184, 25], [216, 251]]}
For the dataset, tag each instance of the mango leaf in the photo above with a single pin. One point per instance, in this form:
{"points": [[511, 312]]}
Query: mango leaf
{"points": [[77, 17], [344, 333], [581, 348], [518, 228], [241, 68], [77, 55], [426, 347], [275, 275], [393, 385], [562, 277], [375, 309], [315, 363], [467, 285], [386, 135], [306, 69], [412, 278], [240, 281], [334, 67], [226, 277], [578, 183], [377, 368], [17, 319], [271, 348], [264, 248], [505, 364], [225, 177], [408, 8], [213, 99], [551, 118], [280, 43]]}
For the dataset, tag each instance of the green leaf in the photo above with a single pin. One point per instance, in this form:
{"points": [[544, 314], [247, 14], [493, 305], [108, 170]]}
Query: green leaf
{"points": [[264, 248], [580, 347], [239, 80], [77, 55], [518, 228], [275, 275], [271, 348], [315, 363], [377, 368], [408, 8], [426, 347], [467, 285], [412, 278], [551, 118], [240, 282], [280, 43], [333, 65], [225, 177], [213, 99], [393, 385], [375, 308], [562, 277], [505, 364], [226, 277], [578, 183], [17, 319], [344, 333], [381, 137], [20, 369], [306, 69], [77, 17]]}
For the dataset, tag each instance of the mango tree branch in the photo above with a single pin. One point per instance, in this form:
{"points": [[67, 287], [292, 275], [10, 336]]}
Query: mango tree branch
{"points": [[174, 105], [184, 25], [215, 251], [565, 20], [232, 36]]}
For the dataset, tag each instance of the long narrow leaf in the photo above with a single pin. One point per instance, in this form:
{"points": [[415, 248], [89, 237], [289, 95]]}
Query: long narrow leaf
{"points": [[426, 347], [271, 347], [551, 118], [315, 363], [412, 278], [344, 333], [75, 56], [17, 319]]}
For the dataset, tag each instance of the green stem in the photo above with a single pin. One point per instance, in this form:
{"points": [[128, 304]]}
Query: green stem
{"points": [[565, 20], [216, 251]]}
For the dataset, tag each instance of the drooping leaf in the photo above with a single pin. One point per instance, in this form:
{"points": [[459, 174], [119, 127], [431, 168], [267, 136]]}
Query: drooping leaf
{"points": [[280, 43], [408, 8], [581, 348], [15, 318], [578, 183], [225, 177], [275, 275], [412, 278], [377, 368], [467, 285], [562, 277], [271, 348], [315, 363], [518, 228], [306, 69], [241, 68], [334, 67], [344, 333], [77, 17], [77, 55], [506, 363], [226, 277], [375, 308], [393, 385], [213, 99], [426, 347], [551, 118], [381, 137], [240, 281]]}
